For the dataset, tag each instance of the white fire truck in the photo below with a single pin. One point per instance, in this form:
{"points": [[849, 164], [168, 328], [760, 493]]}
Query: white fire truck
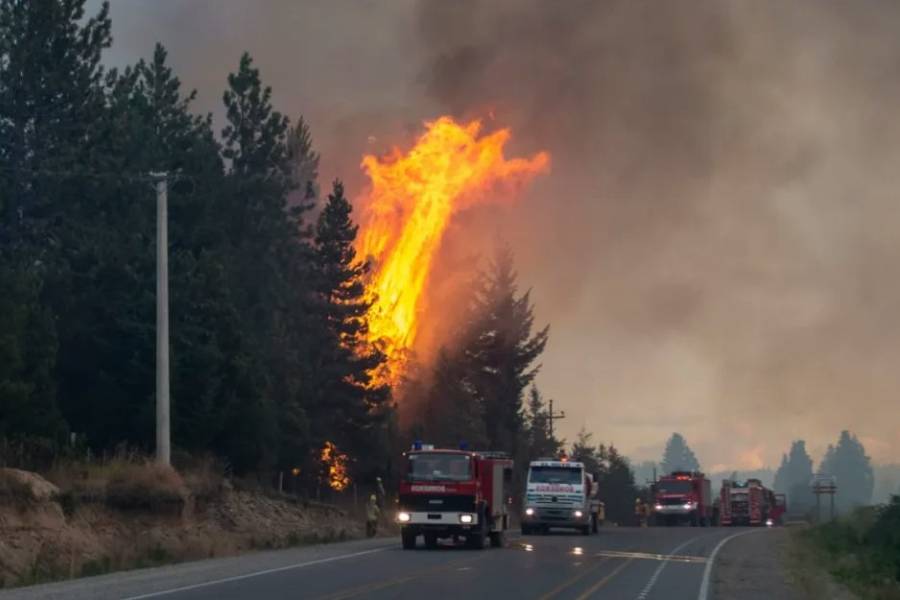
{"points": [[559, 493]]}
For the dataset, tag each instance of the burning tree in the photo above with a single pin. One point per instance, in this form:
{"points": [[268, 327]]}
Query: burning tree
{"points": [[334, 467], [408, 208]]}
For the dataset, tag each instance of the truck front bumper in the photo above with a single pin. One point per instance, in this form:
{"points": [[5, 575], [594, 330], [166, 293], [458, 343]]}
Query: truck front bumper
{"points": [[555, 517], [674, 510], [438, 519]]}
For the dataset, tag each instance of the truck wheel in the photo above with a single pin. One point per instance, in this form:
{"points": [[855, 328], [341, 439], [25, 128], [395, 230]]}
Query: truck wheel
{"points": [[694, 519], [497, 539], [526, 529], [586, 530], [431, 541], [476, 539], [409, 538], [595, 526]]}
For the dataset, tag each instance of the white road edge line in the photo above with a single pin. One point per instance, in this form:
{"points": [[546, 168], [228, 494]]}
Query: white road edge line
{"points": [[257, 574], [652, 581], [707, 572]]}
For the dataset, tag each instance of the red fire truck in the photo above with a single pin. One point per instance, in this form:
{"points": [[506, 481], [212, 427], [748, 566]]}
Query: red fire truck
{"points": [[683, 497], [750, 503], [454, 493]]}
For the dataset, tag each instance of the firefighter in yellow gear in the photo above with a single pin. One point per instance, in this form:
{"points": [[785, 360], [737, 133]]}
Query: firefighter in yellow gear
{"points": [[372, 514], [642, 511]]}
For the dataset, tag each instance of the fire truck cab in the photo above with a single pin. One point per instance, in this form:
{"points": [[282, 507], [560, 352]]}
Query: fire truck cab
{"points": [[560, 493], [454, 493], [683, 497]]}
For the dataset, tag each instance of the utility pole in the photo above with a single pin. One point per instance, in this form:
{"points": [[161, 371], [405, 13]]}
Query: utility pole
{"points": [[163, 439], [551, 416]]}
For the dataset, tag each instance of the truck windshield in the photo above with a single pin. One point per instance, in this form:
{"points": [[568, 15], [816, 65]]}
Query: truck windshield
{"points": [[566, 475], [439, 467], [674, 487]]}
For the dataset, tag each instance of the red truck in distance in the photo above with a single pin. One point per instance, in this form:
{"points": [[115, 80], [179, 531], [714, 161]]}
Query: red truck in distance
{"points": [[750, 503], [683, 497], [454, 493]]}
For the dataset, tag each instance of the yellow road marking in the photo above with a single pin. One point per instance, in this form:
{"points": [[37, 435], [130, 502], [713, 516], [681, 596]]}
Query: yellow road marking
{"points": [[569, 582], [604, 581], [386, 583], [652, 556]]}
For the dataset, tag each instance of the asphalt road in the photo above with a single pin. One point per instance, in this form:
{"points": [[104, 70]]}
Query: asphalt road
{"points": [[618, 563]]}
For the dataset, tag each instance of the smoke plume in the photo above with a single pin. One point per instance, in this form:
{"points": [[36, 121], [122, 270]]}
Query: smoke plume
{"points": [[715, 246]]}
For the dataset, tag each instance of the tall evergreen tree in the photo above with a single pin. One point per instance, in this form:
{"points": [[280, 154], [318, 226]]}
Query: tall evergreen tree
{"points": [[848, 464], [347, 400], [501, 349], [781, 484], [794, 476], [584, 451], [540, 439], [678, 456], [453, 415], [617, 488], [51, 98]]}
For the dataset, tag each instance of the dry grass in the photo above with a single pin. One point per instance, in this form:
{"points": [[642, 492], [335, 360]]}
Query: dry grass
{"points": [[146, 486], [124, 481], [205, 480], [14, 491]]}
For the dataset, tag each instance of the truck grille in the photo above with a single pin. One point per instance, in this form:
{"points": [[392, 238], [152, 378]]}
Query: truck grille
{"points": [[555, 514], [437, 502], [672, 501]]}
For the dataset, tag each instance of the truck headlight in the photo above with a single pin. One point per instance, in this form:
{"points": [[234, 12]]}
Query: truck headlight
{"points": [[578, 514], [529, 512], [403, 517], [690, 505], [658, 507], [465, 519]]}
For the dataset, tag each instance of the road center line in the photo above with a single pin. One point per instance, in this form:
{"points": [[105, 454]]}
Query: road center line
{"points": [[707, 572], [604, 581], [302, 565], [566, 584], [652, 581]]}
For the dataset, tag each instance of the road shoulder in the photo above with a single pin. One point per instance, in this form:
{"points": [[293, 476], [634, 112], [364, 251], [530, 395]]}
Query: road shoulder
{"points": [[755, 567]]}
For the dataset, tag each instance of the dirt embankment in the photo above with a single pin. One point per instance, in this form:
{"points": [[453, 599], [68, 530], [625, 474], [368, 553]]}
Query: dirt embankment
{"points": [[144, 515]]}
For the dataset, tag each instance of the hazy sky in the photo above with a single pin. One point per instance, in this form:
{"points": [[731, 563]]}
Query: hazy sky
{"points": [[716, 249]]}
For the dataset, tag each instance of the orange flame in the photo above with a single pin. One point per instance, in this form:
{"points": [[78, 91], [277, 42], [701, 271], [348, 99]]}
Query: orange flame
{"points": [[409, 206], [335, 463]]}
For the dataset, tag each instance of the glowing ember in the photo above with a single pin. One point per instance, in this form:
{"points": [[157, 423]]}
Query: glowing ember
{"points": [[409, 206], [335, 464]]}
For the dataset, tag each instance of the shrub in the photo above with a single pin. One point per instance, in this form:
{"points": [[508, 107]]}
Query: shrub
{"points": [[147, 486]]}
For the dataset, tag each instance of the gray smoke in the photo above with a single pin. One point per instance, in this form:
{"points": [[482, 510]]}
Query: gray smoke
{"points": [[715, 246]]}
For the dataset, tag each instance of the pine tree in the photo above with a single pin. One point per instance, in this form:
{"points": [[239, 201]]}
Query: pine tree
{"points": [[852, 469], [541, 441], [794, 476], [617, 488], [781, 483], [453, 414], [501, 349], [28, 347], [51, 98], [347, 398], [678, 456], [584, 451]]}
